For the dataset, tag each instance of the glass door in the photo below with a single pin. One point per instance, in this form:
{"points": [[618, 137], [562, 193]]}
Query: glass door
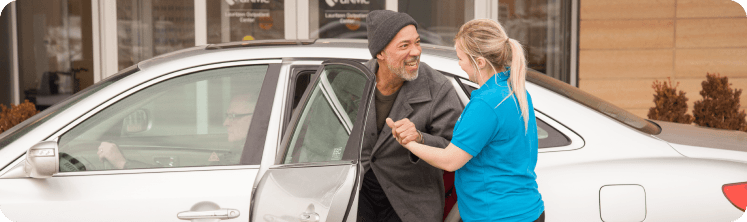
{"points": [[148, 28], [54, 49]]}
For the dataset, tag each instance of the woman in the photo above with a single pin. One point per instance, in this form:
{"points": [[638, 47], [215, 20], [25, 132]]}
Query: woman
{"points": [[494, 146]]}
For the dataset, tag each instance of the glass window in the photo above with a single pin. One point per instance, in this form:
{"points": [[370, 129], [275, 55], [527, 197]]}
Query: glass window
{"points": [[242, 20], [199, 119], [327, 119], [148, 28], [548, 137], [544, 28], [54, 52], [340, 18], [467, 88], [438, 20]]}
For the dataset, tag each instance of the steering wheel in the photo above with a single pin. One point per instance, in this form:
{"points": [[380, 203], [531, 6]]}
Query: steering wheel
{"points": [[71, 164], [76, 157]]}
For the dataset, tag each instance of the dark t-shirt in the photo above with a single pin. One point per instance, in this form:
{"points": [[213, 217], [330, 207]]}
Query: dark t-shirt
{"points": [[383, 106]]}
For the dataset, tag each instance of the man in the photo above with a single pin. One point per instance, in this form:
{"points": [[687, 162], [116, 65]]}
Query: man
{"points": [[237, 121], [397, 186], [239, 117]]}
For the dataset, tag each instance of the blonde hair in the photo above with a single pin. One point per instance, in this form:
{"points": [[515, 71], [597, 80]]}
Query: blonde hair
{"points": [[487, 39]]}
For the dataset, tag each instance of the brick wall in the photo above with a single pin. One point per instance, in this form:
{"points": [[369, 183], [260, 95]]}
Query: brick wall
{"points": [[627, 44]]}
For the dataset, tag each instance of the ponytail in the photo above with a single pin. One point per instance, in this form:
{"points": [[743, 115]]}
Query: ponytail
{"points": [[517, 79], [486, 38]]}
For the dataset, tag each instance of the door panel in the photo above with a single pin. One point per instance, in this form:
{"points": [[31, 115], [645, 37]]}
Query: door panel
{"points": [[293, 190], [126, 197], [317, 177]]}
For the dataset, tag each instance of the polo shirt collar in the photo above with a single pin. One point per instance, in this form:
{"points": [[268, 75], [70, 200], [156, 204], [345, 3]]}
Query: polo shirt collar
{"points": [[503, 76], [500, 77]]}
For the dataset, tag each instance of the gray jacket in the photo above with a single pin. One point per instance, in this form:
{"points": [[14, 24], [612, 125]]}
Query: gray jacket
{"points": [[414, 187]]}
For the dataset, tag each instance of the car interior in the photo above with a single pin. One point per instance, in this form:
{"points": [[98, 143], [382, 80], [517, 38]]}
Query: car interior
{"points": [[166, 125]]}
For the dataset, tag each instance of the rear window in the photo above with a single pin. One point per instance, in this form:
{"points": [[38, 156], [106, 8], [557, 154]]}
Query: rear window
{"points": [[593, 102]]}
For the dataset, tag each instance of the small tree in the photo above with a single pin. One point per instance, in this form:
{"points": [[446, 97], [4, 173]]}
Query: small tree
{"points": [[16, 114], [719, 107], [669, 104]]}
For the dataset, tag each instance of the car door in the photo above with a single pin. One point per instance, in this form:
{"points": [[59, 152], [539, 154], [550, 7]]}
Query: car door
{"points": [[192, 143], [316, 174]]}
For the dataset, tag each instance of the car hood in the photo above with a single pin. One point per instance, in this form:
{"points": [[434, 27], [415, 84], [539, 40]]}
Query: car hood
{"points": [[701, 142]]}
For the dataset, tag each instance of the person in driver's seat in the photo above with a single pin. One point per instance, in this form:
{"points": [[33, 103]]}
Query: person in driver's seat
{"points": [[237, 121]]}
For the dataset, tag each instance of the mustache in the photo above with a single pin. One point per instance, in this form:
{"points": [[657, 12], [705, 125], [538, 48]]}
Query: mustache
{"points": [[412, 59]]}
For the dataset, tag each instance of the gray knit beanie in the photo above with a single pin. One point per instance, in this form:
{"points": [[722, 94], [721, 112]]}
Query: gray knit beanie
{"points": [[383, 25]]}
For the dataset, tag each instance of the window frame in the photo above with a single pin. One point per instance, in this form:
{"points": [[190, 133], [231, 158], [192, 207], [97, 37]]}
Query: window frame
{"points": [[296, 66], [576, 141], [552, 136], [321, 89], [356, 134], [295, 72], [272, 71]]}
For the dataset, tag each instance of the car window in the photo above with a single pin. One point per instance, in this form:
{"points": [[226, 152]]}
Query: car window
{"points": [[301, 78], [467, 88], [200, 119], [549, 137], [327, 118], [302, 82]]}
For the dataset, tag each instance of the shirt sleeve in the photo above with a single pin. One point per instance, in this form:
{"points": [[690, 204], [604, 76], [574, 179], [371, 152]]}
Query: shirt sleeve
{"points": [[475, 128]]}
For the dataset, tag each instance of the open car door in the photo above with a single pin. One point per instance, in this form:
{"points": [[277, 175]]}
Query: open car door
{"points": [[316, 174]]}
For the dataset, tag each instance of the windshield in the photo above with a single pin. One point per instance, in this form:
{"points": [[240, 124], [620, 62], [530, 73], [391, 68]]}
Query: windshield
{"points": [[593, 102], [26, 126]]}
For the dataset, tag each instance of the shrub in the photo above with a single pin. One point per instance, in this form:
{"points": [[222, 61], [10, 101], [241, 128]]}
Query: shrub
{"points": [[719, 107], [16, 114], [669, 104]]}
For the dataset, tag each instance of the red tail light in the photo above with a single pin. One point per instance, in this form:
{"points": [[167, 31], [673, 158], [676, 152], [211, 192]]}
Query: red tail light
{"points": [[736, 193]]}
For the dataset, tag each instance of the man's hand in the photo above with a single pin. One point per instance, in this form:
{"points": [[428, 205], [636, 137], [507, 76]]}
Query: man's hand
{"points": [[110, 152], [404, 131]]}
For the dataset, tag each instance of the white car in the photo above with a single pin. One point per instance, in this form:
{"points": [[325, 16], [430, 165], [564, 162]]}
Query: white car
{"points": [[297, 157]]}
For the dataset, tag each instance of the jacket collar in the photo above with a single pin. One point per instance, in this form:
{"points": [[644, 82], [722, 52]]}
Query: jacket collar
{"points": [[416, 91]]}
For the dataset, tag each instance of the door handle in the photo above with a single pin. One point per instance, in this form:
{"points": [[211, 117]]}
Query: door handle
{"points": [[309, 215], [222, 214]]}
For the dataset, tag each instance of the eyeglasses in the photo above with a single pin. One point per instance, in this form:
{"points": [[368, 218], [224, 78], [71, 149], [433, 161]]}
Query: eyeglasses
{"points": [[232, 116]]}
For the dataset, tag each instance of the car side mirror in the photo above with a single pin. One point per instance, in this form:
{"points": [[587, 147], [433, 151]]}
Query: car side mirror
{"points": [[42, 160], [136, 122]]}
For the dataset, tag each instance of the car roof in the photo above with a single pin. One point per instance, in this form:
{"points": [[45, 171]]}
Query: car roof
{"points": [[438, 57], [278, 49]]}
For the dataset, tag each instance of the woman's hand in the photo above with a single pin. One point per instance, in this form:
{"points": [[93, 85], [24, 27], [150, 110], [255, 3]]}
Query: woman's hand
{"points": [[450, 158], [110, 152]]}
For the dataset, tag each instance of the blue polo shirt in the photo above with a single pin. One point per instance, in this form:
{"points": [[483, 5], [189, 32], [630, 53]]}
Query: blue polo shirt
{"points": [[498, 183]]}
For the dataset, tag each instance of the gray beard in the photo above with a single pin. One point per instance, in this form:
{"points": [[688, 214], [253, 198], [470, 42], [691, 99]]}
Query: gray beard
{"points": [[402, 73]]}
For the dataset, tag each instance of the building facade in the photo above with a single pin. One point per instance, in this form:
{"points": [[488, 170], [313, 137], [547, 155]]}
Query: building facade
{"points": [[625, 45], [57, 50], [614, 49]]}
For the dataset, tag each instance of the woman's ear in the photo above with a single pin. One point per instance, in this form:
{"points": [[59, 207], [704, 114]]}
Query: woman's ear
{"points": [[481, 63]]}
